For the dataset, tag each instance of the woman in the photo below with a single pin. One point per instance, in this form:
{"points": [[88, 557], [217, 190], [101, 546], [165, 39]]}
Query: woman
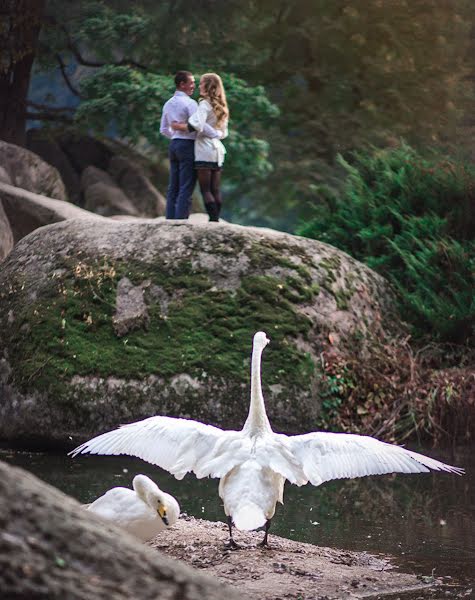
{"points": [[209, 152]]}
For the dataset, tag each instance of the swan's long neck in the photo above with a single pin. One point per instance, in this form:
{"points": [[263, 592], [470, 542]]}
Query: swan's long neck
{"points": [[257, 421], [145, 490]]}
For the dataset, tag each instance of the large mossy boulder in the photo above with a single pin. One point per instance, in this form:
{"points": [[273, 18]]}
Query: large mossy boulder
{"points": [[106, 322]]}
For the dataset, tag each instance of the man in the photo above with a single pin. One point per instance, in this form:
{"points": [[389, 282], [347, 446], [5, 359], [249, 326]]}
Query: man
{"points": [[181, 152]]}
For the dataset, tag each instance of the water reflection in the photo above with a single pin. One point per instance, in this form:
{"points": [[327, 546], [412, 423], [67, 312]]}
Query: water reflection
{"points": [[425, 521]]}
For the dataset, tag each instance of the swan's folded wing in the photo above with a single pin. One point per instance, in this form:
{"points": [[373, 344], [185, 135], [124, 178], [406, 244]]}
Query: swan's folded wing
{"points": [[176, 445], [325, 456]]}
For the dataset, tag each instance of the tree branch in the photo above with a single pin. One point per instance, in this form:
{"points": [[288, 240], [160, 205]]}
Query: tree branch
{"points": [[46, 116], [62, 66], [72, 47], [49, 113], [125, 62], [50, 109]]}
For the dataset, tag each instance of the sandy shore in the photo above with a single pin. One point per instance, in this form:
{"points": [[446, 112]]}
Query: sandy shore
{"points": [[287, 569]]}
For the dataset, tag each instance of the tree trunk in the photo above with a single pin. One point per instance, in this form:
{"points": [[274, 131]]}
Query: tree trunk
{"points": [[20, 25]]}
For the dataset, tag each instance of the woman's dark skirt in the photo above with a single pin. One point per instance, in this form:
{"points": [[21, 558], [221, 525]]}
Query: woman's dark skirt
{"points": [[203, 164]]}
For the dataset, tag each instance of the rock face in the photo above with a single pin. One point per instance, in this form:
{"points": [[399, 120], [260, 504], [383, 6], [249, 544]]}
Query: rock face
{"points": [[130, 177], [103, 196], [131, 309], [4, 176], [84, 161], [6, 235], [26, 170], [26, 211], [52, 549], [108, 200], [45, 146], [92, 175], [84, 150], [112, 321]]}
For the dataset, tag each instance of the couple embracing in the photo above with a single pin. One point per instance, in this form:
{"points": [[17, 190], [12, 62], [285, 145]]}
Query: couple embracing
{"points": [[195, 150]]}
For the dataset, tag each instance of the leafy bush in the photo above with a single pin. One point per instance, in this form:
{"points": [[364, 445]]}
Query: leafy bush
{"points": [[412, 219]]}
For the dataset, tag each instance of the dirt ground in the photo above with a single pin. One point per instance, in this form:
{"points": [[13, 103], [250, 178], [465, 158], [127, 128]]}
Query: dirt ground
{"points": [[287, 569]]}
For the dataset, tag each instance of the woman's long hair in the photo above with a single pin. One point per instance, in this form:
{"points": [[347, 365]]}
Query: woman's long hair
{"points": [[215, 94]]}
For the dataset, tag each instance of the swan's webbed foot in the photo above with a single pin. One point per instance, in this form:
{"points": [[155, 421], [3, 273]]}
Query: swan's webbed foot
{"points": [[264, 543], [231, 545]]}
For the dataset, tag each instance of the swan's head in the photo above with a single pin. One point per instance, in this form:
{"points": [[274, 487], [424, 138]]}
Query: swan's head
{"points": [[260, 340], [152, 495], [157, 503]]}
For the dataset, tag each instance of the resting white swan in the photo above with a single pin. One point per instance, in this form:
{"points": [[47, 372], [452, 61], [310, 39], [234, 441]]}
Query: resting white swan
{"points": [[254, 463], [143, 511]]}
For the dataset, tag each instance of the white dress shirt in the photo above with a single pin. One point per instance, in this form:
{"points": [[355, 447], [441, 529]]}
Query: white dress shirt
{"points": [[179, 108], [207, 148]]}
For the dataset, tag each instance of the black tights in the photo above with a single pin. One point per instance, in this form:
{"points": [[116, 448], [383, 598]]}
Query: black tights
{"points": [[210, 181]]}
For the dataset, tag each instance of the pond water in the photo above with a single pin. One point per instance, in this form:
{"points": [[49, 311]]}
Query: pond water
{"points": [[425, 522]]}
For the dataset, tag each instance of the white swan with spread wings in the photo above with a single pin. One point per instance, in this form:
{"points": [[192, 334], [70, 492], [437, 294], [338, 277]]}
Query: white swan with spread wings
{"points": [[253, 464]]}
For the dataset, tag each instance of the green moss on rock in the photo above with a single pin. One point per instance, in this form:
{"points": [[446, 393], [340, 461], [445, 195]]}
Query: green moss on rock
{"points": [[69, 330]]}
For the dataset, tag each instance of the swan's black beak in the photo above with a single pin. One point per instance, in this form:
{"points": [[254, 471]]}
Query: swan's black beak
{"points": [[163, 514]]}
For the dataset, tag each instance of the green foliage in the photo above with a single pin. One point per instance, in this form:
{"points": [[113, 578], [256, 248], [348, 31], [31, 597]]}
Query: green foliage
{"points": [[344, 75], [109, 30], [131, 101], [126, 98], [336, 385], [367, 71], [413, 220]]}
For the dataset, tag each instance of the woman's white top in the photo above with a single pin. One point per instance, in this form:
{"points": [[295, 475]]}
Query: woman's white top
{"points": [[208, 149]]}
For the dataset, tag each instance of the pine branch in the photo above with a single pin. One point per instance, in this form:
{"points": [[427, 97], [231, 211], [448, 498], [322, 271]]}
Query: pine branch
{"points": [[125, 62], [49, 113], [50, 109], [71, 87], [46, 116], [73, 48]]}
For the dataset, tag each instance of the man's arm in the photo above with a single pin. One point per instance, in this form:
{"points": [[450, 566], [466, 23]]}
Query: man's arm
{"points": [[197, 122], [207, 130], [165, 125], [211, 132], [223, 132]]}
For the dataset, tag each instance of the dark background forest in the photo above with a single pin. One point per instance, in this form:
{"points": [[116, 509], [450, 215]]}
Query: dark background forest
{"points": [[351, 122]]}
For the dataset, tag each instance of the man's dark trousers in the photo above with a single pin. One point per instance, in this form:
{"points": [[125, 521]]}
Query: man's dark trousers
{"points": [[182, 178]]}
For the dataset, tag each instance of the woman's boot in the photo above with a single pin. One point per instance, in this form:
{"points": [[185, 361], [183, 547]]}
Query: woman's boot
{"points": [[212, 211]]}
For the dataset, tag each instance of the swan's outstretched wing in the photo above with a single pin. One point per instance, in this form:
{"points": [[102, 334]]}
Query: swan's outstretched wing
{"points": [[324, 456], [176, 445]]}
